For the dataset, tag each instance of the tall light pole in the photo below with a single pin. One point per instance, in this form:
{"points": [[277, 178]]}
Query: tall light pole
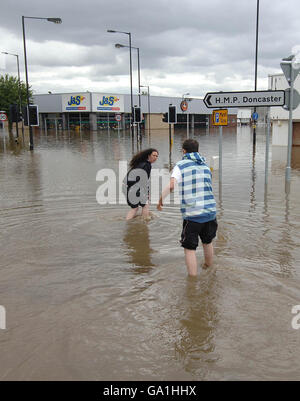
{"points": [[118, 46], [147, 86], [19, 91], [130, 61], [255, 74], [55, 21]]}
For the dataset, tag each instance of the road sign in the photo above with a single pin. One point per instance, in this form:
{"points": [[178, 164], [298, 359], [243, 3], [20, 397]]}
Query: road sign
{"points": [[3, 117], [296, 99], [184, 105], [255, 116], [118, 117], [220, 117], [244, 99], [286, 68]]}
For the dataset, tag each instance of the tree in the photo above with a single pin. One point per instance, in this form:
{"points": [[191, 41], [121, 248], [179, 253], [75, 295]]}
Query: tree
{"points": [[9, 93]]}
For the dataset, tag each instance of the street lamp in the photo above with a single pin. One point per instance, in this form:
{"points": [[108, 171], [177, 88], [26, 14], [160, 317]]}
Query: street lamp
{"points": [[55, 21], [131, 98], [19, 91], [147, 86], [118, 46]]}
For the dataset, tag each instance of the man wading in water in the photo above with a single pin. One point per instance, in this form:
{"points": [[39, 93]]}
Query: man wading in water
{"points": [[198, 206], [137, 182]]}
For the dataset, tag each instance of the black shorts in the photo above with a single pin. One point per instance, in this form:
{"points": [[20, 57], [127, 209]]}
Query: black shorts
{"points": [[191, 230], [142, 199]]}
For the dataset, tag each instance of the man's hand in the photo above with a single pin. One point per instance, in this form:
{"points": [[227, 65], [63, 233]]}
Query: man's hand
{"points": [[159, 205], [169, 188]]}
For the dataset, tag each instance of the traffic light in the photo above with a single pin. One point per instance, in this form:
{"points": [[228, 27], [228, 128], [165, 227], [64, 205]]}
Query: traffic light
{"points": [[172, 115], [165, 117], [137, 115], [14, 114], [33, 115]]}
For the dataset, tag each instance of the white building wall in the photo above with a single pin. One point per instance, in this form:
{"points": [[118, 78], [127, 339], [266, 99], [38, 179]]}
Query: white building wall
{"points": [[279, 82], [278, 115]]}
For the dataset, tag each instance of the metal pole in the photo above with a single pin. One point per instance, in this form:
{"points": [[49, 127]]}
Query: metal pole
{"points": [[256, 53], [267, 149], [27, 88], [149, 114], [220, 153], [187, 126], [131, 97], [139, 83], [290, 134], [20, 96]]}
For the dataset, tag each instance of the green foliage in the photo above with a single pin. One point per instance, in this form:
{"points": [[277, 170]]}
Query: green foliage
{"points": [[9, 92]]}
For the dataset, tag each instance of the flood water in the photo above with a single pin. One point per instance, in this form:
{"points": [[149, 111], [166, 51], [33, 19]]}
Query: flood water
{"points": [[89, 296]]}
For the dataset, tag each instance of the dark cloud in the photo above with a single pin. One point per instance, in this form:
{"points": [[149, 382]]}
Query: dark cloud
{"points": [[194, 38]]}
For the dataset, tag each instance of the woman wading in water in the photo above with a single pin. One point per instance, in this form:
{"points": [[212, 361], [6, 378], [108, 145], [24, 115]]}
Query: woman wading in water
{"points": [[137, 182]]}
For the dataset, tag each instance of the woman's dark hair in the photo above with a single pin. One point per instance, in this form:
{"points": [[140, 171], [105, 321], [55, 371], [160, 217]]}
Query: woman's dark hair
{"points": [[141, 157], [190, 145]]}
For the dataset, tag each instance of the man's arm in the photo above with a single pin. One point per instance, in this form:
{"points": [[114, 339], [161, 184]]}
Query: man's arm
{"points": [[167, 190]]}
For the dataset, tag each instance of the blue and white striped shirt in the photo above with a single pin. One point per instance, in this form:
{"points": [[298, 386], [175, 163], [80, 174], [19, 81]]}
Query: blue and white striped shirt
{"points": [[195, 189]]}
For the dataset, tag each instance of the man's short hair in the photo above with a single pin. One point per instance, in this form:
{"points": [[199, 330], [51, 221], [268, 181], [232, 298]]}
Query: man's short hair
{"points": [[190, 145]]}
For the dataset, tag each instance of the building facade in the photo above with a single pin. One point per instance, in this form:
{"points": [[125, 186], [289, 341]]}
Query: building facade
{"points": [[280, 117], [96, 111]]}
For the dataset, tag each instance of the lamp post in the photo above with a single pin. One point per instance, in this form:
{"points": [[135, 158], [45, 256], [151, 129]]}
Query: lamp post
{"points": [[55, 21], [130, 61], [19, 91], [187, 117], [118, 46], [147, 86]]}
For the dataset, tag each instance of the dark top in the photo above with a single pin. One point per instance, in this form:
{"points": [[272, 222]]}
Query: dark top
{"points": [[142, 165]]}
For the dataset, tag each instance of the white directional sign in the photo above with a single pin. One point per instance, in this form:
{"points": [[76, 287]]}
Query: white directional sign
{"points": [[244, 99]]}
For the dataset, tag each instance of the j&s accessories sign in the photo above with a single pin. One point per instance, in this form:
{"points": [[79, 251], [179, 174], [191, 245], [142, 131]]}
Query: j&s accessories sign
{"points": [[106, 102]]}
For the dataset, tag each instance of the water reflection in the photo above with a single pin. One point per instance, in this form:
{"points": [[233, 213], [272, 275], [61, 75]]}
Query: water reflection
{"points": [[136, 238], [195, 348], [253, 181]]}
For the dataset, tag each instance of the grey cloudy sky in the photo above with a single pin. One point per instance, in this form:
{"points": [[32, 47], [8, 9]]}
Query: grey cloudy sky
{"points": [[191, 46]]}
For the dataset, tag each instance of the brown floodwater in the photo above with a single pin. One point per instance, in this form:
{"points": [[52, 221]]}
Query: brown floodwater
{"points": [[89, 296]]}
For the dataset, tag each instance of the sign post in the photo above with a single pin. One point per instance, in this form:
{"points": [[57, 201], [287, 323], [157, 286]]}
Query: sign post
{"points": [[267, 150], [220, 119]]}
